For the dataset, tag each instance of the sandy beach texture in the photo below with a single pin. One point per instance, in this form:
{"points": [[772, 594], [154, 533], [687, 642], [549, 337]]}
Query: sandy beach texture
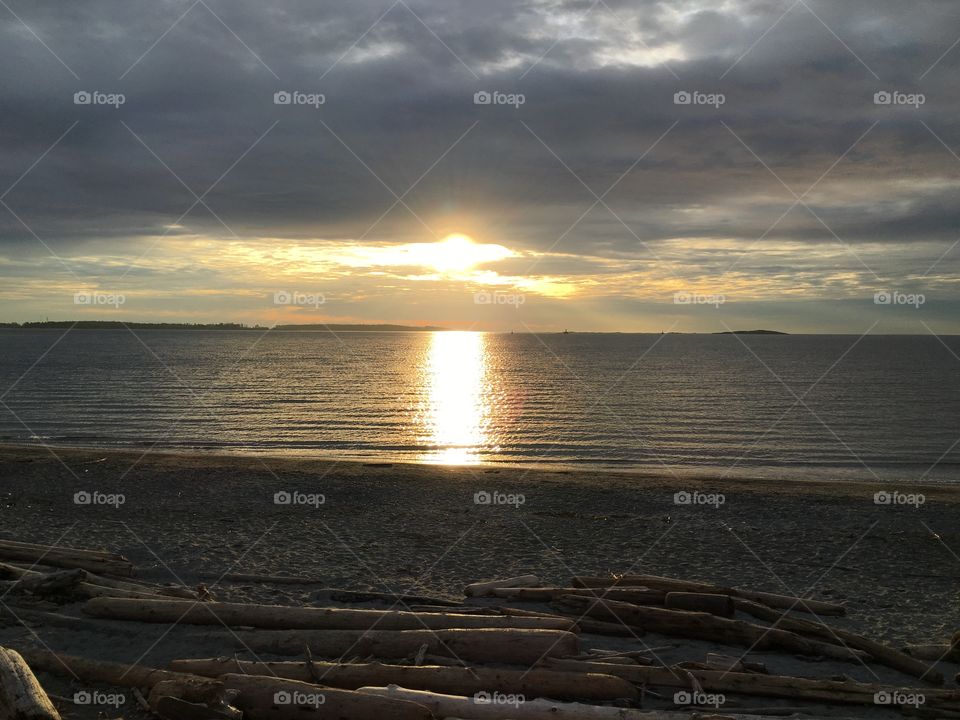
{"points": [[408, 528]]}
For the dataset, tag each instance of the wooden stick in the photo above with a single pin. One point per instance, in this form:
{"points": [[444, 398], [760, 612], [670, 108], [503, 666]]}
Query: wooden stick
{"points": [[288, 617], [817, 607], [453, 680], [21, 697]]}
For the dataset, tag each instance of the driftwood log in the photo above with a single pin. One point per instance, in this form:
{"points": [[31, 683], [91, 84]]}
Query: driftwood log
{"points": [[479, 589], [21, 697], [533, 683], [918, 668], [92, 560], [639, 596], [82, 589], [290, 618], [703, 626], [721, 605], [785, 602], [469, 708], [774, 686], [507, 646]]}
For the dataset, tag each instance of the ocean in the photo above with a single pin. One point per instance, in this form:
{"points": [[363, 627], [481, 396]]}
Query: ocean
{"points": [[793, 406]]}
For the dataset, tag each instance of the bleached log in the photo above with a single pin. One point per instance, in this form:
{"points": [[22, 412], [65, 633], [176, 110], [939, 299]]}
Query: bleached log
{"points": [[639, 596], [721, 605], [267, 697], [452, 680], [507, 646], [586, 625], [878, 651], [479, 589], [468, 708], [703, 626], [21, 697], [777, 686], [288, 617], [786, 602], [94, 561]]}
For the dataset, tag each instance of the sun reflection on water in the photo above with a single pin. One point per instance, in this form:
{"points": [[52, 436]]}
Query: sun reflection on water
{"points": [[457, 402]]}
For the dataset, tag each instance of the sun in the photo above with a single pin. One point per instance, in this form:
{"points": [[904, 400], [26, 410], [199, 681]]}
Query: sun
{"points": [[458, 253]]}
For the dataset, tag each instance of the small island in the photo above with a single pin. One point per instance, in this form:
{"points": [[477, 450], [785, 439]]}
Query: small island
{"points": [[751, 332]]}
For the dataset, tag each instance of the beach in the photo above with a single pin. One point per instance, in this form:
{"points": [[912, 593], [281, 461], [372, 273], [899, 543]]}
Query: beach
{"points": [[400, 527]]}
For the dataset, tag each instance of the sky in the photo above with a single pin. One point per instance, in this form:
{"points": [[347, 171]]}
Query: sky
{"points": [[522, 165]]}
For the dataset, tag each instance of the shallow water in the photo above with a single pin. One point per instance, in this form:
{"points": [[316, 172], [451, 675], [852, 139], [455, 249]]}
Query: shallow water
{"points": [[886, 407]]}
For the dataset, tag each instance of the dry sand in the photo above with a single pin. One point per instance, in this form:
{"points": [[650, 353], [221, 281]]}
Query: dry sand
{"points": [[414, 528]]}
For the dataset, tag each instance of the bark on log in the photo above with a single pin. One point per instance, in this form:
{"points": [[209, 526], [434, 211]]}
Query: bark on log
{"points": [[479, 589], [778, 686], [289, 618], [639, 596], [721, 605], [451, 680], [21, 697], [703, 626], [878, 651], [786, 602], [93, 561], [509, 647], [455, 706], [273, 698]]}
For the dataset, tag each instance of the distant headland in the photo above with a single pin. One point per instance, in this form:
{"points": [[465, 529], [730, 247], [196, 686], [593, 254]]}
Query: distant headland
{"points": [[751, 332]]}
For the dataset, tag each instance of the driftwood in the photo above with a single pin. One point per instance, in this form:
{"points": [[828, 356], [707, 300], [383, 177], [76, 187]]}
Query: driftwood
{"points": [[777, 686], [878, 651], [290, 618], [721, 605], [82, 589], [587, 625], [369, 596], [510, 647], [49, 584], [92, 560], [934, 653], [640, 596], [470, 708], [703, 626], [452, 680], [33, 617], [267, 697], [21, 697], [479, 589], [785, 602]]}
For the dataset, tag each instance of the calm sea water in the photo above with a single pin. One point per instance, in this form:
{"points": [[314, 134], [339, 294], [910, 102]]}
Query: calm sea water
{"points": [[885, 407]]}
